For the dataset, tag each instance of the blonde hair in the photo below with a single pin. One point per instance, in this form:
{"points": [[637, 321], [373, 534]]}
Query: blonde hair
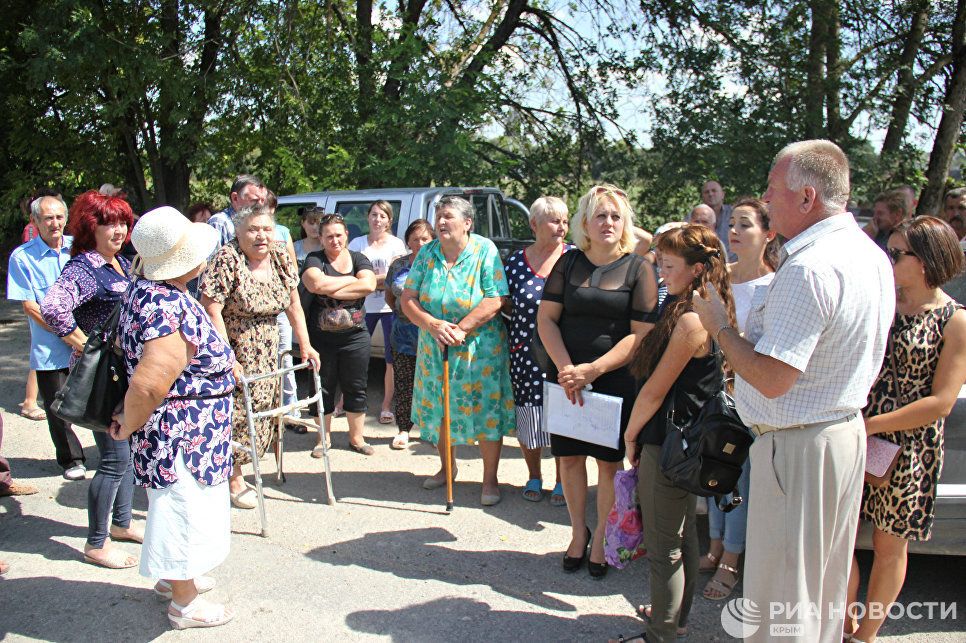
{"points": [[547, 206], [382, 206], [588, 205]]}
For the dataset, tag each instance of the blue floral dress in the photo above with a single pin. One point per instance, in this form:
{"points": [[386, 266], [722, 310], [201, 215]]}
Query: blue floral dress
{"points": [[481, 396], [195, 416]]}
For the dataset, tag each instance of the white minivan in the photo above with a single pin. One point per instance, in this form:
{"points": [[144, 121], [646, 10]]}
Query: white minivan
{"points": [[504, 221]]}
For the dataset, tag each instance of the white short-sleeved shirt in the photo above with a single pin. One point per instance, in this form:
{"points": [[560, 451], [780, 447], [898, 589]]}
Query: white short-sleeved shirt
{"points": [[827, 314], [744, 293], [380, 256]]}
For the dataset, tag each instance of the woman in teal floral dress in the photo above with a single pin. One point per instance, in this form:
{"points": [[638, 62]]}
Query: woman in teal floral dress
{"points": [[454, 293]]}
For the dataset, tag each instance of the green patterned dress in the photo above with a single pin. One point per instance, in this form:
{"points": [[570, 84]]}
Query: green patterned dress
{"points": [[481, 395]]}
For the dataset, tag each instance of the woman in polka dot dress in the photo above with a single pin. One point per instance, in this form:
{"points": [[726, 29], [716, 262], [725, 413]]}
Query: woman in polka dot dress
{"points": [[526, 271]]}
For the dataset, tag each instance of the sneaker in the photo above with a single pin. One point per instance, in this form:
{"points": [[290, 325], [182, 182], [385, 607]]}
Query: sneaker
{"points": [[76, 472]]}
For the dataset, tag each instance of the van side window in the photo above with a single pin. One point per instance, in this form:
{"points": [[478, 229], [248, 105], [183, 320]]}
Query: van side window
{"points": [[290, 216], [481, 216], [356, 215]]}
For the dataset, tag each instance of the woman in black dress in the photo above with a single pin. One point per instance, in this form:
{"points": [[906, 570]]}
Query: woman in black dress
{"points": [[597, 305]]}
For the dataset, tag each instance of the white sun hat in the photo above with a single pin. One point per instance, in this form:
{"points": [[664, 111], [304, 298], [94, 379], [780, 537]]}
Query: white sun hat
{"points": [[169, 245]]}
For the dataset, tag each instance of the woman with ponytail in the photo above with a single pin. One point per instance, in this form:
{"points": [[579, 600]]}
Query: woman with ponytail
{"points": [[680, 368], [757, 248]]}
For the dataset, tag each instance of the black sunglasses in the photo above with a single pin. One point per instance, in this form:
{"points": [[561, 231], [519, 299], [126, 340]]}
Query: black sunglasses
{"points": [[895, 254], [330, 218]]}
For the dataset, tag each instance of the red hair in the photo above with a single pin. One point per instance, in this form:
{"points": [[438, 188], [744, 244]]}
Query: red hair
{"points": [[92, 209]]}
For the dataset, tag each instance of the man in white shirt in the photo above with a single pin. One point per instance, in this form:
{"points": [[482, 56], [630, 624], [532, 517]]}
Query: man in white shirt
{"points": [[814, 344]]}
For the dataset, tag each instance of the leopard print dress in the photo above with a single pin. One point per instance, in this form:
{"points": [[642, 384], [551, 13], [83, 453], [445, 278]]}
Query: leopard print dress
{"points": [[905, 506]]}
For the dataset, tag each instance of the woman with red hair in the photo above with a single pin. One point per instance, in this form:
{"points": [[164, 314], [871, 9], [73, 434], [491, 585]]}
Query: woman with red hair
{"points": [[81, 299]]}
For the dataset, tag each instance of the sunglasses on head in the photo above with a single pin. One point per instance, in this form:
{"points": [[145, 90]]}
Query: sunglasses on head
{"points": [[895, 254], [600, 189], [331, 218]]}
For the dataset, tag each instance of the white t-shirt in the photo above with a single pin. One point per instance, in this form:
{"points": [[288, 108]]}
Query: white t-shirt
{"points": [[743, 293], [380, 256]]}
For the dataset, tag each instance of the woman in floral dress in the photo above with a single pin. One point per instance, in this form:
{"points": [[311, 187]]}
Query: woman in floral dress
{"points": [[251, 280], [177, 415], [454, 293]]}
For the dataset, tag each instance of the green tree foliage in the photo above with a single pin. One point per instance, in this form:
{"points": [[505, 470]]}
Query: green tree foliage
{"points": [[171, 98]]}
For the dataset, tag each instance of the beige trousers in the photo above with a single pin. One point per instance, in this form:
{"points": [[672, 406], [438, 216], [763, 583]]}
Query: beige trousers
{"points": [[806, 487]]}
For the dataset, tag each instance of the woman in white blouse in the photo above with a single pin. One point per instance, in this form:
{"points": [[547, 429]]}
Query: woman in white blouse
{"points": [[757, 248], [381, 247]]}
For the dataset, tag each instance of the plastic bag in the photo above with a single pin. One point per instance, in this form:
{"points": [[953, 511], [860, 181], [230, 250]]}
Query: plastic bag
{"points": [[624, 531]]}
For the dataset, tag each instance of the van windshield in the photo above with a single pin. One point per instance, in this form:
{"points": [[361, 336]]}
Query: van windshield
{"points": [[356, 215]]}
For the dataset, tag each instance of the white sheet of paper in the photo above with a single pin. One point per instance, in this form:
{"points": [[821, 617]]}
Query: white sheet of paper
{"points": [[598, 421]]}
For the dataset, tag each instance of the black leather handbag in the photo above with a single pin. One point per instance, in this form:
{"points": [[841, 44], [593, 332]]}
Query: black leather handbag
{"points": [[97, 382], [705, 457]]}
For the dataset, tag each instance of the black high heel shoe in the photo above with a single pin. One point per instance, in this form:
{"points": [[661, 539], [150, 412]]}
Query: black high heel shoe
{"points": [[597, 570], [572, 564]]}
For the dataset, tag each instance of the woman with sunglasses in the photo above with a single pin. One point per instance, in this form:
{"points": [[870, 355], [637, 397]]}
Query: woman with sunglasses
{"points": [[598, 303], [339, 280], [922, 373]]}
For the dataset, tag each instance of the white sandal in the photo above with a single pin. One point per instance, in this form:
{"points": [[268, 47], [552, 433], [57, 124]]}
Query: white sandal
{"points": [[401, 441], [202, 584], [183, 619]]}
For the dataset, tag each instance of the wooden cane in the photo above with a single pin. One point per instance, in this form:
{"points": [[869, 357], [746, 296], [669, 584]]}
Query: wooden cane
{"points": [[447, 447]]}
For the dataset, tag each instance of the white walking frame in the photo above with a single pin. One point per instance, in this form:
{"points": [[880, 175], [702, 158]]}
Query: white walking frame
{"points": [[279, 414]]}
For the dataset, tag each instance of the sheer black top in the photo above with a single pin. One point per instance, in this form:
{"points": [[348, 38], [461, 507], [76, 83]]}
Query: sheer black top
{"points": [[599, 303]]}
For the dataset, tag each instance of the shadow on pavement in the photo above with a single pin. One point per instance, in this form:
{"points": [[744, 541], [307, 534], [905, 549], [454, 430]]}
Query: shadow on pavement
{"points": [[419, 554], [452, 619], [388, 489], [53, 609], [35, 535]]}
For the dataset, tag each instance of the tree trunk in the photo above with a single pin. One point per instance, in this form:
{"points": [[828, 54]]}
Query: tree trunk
{"points": [[833, 81], [363, 51], [815, 71], [930, 202], [906, 84]]}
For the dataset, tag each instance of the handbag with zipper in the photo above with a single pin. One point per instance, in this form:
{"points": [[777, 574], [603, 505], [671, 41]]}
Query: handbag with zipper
{"points": [[705, 456], [97, 381]]}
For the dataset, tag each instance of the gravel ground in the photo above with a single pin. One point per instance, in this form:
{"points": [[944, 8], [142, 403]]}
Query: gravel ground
{"points": [[386, 562]]}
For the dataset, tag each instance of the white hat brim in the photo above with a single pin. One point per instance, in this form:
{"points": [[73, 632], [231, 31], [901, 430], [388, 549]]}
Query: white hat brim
{"points": [[202, 240]]}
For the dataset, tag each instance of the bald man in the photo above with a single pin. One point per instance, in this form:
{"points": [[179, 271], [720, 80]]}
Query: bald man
{"points": [[703, 215], [713, 196]]}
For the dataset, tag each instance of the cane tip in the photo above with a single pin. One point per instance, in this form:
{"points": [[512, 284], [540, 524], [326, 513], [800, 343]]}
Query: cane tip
{"points": [[449, 507]]}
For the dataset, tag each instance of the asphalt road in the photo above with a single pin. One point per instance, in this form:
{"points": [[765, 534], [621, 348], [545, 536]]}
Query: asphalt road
{"points": [[384, 563]]}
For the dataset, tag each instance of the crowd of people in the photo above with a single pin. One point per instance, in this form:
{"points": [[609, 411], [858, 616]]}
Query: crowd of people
{"points": [[831, 333]]}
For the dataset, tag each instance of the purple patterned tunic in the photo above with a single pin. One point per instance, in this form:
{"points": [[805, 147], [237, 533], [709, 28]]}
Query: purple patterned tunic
{"points": [[85, 293], [195, 416]]}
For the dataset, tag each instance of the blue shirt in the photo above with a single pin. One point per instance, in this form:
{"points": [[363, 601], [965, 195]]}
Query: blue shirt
{"points": [[32, 270], [222, 222]]}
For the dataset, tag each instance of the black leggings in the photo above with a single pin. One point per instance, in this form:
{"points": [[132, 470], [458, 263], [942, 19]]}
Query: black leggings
{"points": [[345, 365]]}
